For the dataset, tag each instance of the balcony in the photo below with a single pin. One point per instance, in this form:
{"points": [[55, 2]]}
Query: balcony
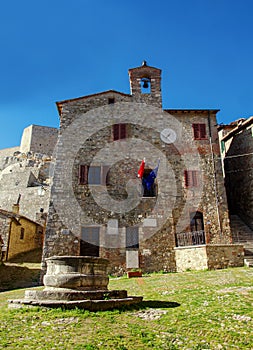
{"points": [[190, 238]]}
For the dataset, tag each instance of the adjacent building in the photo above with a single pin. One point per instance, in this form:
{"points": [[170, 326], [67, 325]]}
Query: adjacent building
{"points": [[237, 155], [19, 234]]}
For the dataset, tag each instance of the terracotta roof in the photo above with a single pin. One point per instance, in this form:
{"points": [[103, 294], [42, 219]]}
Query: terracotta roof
{"points": [[191, 110], [15, 216], [238, 128]]}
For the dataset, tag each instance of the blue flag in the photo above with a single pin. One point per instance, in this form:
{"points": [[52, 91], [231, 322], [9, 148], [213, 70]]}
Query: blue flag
{"points": [[149, 180]]}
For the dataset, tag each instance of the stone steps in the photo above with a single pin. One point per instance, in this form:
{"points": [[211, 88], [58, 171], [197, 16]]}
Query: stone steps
{"points": [[241, 233]]}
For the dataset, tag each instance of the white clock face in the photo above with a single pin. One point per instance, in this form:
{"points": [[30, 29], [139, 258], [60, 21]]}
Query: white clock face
{"points": [[168, 135]]}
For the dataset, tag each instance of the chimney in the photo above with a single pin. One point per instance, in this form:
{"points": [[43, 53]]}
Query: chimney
{"points": [[15, 208]]}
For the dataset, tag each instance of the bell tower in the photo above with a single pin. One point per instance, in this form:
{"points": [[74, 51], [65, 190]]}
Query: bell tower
{"points": [[145, 84]]}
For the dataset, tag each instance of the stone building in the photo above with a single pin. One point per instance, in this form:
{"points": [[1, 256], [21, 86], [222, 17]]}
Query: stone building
{"points": [[237, 155], [19, 234], [99, 206], [25, 171], [236, 141], [39, 139]]}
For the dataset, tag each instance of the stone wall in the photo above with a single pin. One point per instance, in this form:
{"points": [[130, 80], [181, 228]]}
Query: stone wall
{"points": [[238, 164], [27, 175], [4, 232], [211, 256], [39, 139], [224, 256], [86, 139], [77, 147]]}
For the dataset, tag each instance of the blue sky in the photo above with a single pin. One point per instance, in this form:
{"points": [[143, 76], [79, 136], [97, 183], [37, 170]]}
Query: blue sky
{"points": [[53, 50]]}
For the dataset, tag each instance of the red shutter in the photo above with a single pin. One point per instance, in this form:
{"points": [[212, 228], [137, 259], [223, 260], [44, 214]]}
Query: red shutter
{"points": [[119, 131], [199, 131], [116, 132], [196, 131], [191, 178], [186, 178], [83, 174], [122, 131], [194, 178], [202, 131]]}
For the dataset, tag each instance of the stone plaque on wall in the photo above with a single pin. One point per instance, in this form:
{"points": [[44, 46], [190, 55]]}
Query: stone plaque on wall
{"points": [[132, 259]]}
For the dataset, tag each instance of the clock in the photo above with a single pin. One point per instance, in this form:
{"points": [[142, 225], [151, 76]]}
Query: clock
{"points": [[168, 135]]}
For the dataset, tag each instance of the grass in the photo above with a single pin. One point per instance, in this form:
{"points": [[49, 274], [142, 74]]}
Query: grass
{"points": [[191, 310]]}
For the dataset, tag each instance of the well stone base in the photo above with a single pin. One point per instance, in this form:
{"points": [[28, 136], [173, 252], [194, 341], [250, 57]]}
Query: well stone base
{"points": [[76, 281]]}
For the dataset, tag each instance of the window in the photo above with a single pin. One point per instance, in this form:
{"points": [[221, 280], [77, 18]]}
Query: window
{"points": [[151, 189], [197, 222], [199, 131], [89, 244], [93, 175], [111, 100], [22, 233], [119, 131], [191, 178], [132, 237]]}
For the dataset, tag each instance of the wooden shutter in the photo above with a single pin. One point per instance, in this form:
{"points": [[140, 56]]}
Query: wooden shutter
{"points": [[194, 177], [122, 131], [186, 178], [191, 178], [119, 131], [83, 174], [202, 131], [199, 131], [116, 132]]}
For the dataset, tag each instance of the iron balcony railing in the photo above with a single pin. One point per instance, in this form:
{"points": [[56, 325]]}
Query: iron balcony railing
{"points": [[190, 238]]}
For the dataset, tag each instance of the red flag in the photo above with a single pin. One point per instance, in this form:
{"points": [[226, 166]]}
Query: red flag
{"points": [[141, 170]]}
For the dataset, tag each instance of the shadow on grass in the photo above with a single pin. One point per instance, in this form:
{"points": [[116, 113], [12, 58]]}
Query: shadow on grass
{"points": [[157, 304], [151, 304], [14, 277]]}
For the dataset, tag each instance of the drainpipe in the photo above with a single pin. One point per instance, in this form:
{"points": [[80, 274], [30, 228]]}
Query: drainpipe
{"points": [[8, 243], [214, 176]]}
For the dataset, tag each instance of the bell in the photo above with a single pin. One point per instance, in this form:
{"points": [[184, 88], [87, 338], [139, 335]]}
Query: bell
{"points": [[145, 84]]}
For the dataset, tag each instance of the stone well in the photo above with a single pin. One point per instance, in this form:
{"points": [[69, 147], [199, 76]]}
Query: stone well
{"points": [[77, 272], [76, 281]]}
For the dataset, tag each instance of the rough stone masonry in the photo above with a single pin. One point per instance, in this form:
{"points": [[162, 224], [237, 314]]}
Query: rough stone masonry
{"points": [[98, 205]]}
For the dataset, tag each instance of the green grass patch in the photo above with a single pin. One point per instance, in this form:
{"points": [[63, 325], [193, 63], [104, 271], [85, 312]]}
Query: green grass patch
{"points": [[191, 310]]}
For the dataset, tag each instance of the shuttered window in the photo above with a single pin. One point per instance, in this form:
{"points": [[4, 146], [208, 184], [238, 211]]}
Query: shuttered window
{"points": [[199, 131], [119, 131], [191, 178], [93, 175]]}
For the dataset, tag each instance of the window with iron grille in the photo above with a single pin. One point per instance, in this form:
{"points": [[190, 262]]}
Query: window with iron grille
{"points": [[199, 131], [132, 237], [191, 178], [119, 131], [93, 175]]}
